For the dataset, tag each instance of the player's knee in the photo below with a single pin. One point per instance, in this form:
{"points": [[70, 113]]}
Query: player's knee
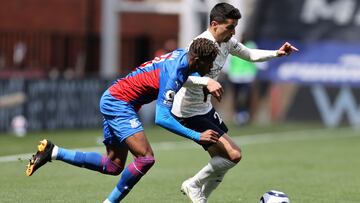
{"points": [[144, 163], [111, 168], [235, 156]]}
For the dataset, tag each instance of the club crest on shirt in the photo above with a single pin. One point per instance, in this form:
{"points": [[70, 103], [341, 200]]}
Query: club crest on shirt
{"points": [[169, 97]]}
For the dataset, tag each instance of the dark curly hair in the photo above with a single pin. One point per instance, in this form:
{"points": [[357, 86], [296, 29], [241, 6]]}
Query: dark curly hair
{"points": [[223, 11], [203, 48]]}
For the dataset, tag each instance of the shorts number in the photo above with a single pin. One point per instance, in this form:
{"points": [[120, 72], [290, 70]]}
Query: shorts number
{"points": [[217, 117]]}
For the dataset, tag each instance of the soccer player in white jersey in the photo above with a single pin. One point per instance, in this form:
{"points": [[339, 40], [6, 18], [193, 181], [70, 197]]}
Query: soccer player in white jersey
{"points": [[193, 108]]}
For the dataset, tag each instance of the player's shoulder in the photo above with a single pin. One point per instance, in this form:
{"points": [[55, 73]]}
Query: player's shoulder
{"points": [[178, 54], [234, 44], [207, 35], [177, 61], [174, 56]]}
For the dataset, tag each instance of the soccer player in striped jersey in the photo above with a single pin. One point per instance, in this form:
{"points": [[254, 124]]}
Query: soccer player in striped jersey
{"points": [[193, 108], [158, 80]]}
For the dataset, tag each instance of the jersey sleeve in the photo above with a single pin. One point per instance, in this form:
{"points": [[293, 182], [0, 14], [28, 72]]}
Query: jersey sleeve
{"points": [[196, 80], [169, 85], [255, 55]]}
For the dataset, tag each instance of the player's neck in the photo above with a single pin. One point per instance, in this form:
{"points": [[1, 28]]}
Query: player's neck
{"points": [[213, 33]]}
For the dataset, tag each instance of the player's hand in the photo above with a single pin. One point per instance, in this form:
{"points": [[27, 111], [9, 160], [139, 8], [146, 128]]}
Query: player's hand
{"points": [[215, 89], [209, 137], [286, 49]]}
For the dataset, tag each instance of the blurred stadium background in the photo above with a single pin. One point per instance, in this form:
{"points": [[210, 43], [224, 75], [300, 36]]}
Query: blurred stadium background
{"points": [[58, 56]]}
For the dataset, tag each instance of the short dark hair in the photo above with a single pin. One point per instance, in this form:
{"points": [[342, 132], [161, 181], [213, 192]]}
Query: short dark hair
{"points": [[223, 11], [203, 48]]}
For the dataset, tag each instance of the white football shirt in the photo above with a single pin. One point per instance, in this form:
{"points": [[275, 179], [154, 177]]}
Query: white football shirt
{"points": [[189, 100]]}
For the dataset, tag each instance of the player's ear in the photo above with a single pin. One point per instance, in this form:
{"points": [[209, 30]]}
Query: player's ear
{"points": [[196, 60], [214, 23]]}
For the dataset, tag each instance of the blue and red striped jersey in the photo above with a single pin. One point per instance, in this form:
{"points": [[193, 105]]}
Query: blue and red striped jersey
{"points": [[158, 79]]}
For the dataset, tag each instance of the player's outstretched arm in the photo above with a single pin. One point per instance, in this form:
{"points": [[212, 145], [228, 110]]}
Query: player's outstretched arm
{"points": [[164, 119], [286, 49], [260, 55]]}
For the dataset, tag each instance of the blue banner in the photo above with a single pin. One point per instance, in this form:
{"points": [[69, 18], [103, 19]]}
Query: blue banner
{"points": [[329, 63]]}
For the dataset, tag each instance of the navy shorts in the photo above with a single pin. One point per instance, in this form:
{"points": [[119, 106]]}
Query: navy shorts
{"points": [[201, 123]]}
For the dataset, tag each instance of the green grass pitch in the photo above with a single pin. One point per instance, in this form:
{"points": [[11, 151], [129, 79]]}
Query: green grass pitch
{"points": [[308, 163]]}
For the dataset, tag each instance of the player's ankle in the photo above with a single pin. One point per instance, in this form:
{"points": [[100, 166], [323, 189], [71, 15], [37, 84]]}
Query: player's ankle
{"points": [[54, 152]]}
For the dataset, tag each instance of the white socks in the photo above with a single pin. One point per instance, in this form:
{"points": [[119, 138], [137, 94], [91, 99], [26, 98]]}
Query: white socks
{"points": [[107, 201], [54, 152], [212, 174], [212, 183]]}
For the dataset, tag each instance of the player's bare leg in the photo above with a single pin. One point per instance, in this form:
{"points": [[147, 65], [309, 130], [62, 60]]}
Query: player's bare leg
{"points": [[226, 148], [139, 146], [111, 164], [225, 154], [117, 155]]}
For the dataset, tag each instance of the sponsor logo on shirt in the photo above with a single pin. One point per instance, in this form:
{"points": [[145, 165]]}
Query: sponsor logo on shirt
{"points": [[169, 97]]}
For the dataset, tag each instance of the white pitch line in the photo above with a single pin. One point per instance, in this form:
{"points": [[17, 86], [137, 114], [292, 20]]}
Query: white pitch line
{"points": [[241, 140]]}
